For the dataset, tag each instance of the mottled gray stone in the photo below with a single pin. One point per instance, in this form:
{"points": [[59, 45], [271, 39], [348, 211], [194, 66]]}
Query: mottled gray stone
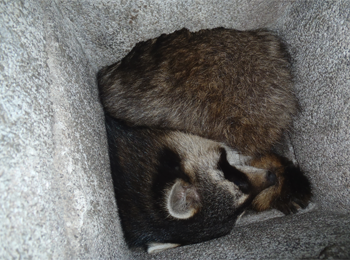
{"points": [[57, 199], [108, 30], [56, 194], [318, 36]]}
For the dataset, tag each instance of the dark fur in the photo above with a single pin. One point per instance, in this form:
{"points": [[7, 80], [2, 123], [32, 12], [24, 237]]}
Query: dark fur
{"points": [[144, 163], [226, 85]]}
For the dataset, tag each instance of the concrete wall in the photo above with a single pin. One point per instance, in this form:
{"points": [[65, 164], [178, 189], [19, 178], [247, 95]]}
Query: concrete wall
{"points": [[56, 194]]}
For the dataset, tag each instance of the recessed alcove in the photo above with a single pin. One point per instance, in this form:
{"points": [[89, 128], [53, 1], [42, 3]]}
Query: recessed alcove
{"points": [[57, 198]]}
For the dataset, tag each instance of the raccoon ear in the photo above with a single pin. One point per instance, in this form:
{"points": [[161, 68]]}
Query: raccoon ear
{"points": [[182, 200]]}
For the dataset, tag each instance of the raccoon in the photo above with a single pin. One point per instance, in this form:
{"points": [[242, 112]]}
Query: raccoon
{"points": [[175, 189], [222, 84]]}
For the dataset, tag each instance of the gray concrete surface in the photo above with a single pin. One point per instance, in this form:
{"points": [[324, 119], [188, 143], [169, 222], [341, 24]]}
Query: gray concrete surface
{"points": [[56, 195]]}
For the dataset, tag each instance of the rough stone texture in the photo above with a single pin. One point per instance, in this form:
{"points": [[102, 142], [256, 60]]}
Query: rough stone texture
{"points": [[56, 195], [318, 35], [108, 30]]}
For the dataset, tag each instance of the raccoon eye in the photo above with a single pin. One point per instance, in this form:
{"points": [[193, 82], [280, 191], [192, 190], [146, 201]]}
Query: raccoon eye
{"points": [[170, 165], [171, 160], [232, 174]]}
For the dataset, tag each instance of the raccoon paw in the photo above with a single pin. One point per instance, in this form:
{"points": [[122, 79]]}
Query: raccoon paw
{"points": [[294, 191], [287, 207]]}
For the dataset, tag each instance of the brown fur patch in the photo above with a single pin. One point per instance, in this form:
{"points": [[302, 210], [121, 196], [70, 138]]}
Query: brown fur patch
{"points": [[291, 191], [227, 85], [265, 199]]}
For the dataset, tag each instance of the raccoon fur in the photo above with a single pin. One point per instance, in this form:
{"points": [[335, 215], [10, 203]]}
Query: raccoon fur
{"points": [[222, 84], [292, 189], [175, 189]]}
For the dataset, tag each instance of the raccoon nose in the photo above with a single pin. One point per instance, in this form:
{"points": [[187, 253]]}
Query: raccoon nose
{"points": [[271, 178]]}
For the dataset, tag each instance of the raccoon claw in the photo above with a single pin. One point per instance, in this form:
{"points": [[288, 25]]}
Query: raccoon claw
{"points": [[292, 206], [287, 208], [300, 203]]}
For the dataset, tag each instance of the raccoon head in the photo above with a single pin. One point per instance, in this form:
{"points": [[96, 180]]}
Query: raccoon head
{"points": [[176, 189], [199, 194]]}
